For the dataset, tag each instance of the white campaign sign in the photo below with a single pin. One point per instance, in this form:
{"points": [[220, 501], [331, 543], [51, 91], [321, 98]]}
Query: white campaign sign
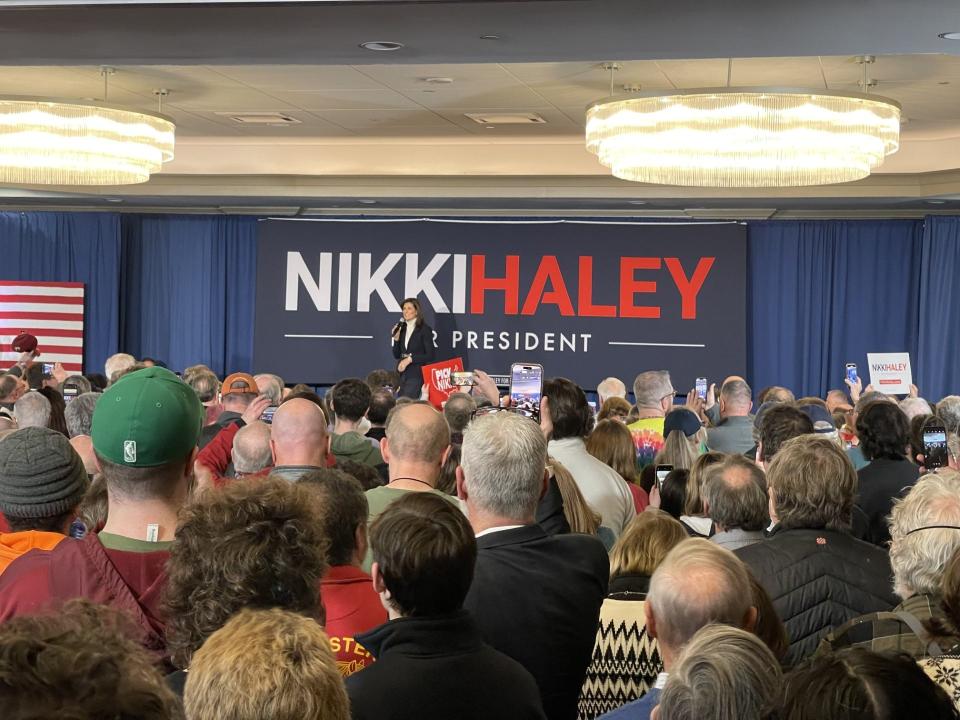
{"points": [[890, 372]]}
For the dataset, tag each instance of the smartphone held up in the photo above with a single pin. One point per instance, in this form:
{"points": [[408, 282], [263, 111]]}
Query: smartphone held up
{"points": [[526, 389]]}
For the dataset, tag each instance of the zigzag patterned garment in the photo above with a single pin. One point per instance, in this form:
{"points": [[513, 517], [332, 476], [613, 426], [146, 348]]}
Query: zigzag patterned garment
{"points": [[625, 663]]}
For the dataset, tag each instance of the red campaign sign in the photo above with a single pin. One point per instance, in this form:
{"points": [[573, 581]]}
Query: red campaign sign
{"points": [[437, 379]]}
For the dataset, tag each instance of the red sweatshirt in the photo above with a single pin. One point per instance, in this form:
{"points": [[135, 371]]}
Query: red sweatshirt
{"points": [[352, 607], [126, 580]]}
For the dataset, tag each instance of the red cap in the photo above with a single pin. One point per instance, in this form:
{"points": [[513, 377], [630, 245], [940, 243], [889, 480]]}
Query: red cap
{"points": [[24, 342]]}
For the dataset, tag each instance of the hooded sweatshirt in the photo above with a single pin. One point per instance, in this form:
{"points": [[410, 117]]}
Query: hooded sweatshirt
{"points": [[15, 544], [354, 446]]}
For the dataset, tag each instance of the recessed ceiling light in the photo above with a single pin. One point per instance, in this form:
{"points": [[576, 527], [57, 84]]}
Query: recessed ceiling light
{"points": [[950, 35], [368, 202], [936, 202], [381, 45], [439, 80], [489, 37], [491, 127], [638, 202]]}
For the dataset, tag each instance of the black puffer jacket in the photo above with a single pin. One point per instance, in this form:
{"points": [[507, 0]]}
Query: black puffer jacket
{"points": [[819, 579]]}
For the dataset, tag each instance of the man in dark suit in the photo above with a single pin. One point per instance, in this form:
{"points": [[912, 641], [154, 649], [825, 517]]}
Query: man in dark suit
{"points": [[535, 597]]}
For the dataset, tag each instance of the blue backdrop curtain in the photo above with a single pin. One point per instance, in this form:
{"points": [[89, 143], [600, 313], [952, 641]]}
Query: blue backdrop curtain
{"points": [[70, 247], [820, 293], [936, 366], [188, 289], [824, 293]]}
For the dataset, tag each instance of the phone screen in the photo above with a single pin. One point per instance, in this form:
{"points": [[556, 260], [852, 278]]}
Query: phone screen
{"points": [[662, 472], [267, 415], [852, 372], [702, 388], [934, 446], [69, 393], [526, 389], [47, 368], [463, 378]]}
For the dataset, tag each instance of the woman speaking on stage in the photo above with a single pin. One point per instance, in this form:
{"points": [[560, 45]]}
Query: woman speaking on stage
{"points": [[413, 347]]}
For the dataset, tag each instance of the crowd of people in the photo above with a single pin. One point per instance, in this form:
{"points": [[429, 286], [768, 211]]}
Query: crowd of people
{"points": [[184, 546]]}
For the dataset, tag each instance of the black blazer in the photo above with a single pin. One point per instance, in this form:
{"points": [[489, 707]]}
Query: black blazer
{"points": [[420, 348], [537, 598]]}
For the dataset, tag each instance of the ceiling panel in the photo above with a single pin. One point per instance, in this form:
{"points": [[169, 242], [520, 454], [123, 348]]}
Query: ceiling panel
{"points": [[382, 118], [777, 72], [300, 78], [687, 74], [556, 124], [345, 99]]}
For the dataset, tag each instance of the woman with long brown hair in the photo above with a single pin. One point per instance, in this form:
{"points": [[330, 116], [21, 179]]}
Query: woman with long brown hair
{"points": [[612, 444]]}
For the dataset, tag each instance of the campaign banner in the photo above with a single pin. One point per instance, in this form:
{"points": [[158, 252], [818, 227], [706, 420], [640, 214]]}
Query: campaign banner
{"points": [[890, 373], [584, 299], [436, 377]]}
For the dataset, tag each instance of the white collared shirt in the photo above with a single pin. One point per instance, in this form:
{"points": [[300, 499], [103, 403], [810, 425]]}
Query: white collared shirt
{"points": [[498, 528]]}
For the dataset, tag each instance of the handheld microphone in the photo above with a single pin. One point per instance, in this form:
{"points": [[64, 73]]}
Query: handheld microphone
{"points": [[397, 327]]}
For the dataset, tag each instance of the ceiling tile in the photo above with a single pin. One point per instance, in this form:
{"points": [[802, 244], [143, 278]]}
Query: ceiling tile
{"points": [[300, 78], [776, 72], [687, 74], [391, 118], [556, 124], [345, 99]]}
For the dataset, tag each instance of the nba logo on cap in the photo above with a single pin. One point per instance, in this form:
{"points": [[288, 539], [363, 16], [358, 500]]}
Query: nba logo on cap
{"points": [[130, 451]]}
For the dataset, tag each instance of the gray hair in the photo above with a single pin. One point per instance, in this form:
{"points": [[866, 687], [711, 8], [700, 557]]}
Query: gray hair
{"points": [[918, 558], [651, 387], [117, 362], [251, 448], [458, 410], [79, 413], [912, 407], [504, 457], [948, 410], [611, 387], [737, 393], [736, 494], [698, 583], [725, 674], [270, 385], [871, 397], [32, 410]]}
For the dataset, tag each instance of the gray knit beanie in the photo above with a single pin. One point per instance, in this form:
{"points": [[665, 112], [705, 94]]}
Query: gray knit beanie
{"points": [[41, 475]]}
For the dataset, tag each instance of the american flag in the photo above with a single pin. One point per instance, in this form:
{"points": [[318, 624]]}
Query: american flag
{"points": [[52, 311]]}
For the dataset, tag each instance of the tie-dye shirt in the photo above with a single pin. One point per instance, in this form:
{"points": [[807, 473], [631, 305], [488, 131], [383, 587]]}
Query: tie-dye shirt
{"points": [[647, 439]]}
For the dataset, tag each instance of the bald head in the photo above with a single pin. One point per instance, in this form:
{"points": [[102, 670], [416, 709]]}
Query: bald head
{"points": [[416, 433], [736, 398], [698, 583], [299, 434], [251, 448], [736, 494]]}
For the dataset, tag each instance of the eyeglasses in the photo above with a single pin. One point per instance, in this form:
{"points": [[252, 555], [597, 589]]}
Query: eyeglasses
{"points": [[933, 527]]}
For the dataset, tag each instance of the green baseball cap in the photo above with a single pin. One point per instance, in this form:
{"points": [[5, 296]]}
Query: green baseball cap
{"points": [[147, 418]]}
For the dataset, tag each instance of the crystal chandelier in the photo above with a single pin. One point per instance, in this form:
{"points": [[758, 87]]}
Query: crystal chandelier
{"points": [[743, 137], [52, 143]]}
